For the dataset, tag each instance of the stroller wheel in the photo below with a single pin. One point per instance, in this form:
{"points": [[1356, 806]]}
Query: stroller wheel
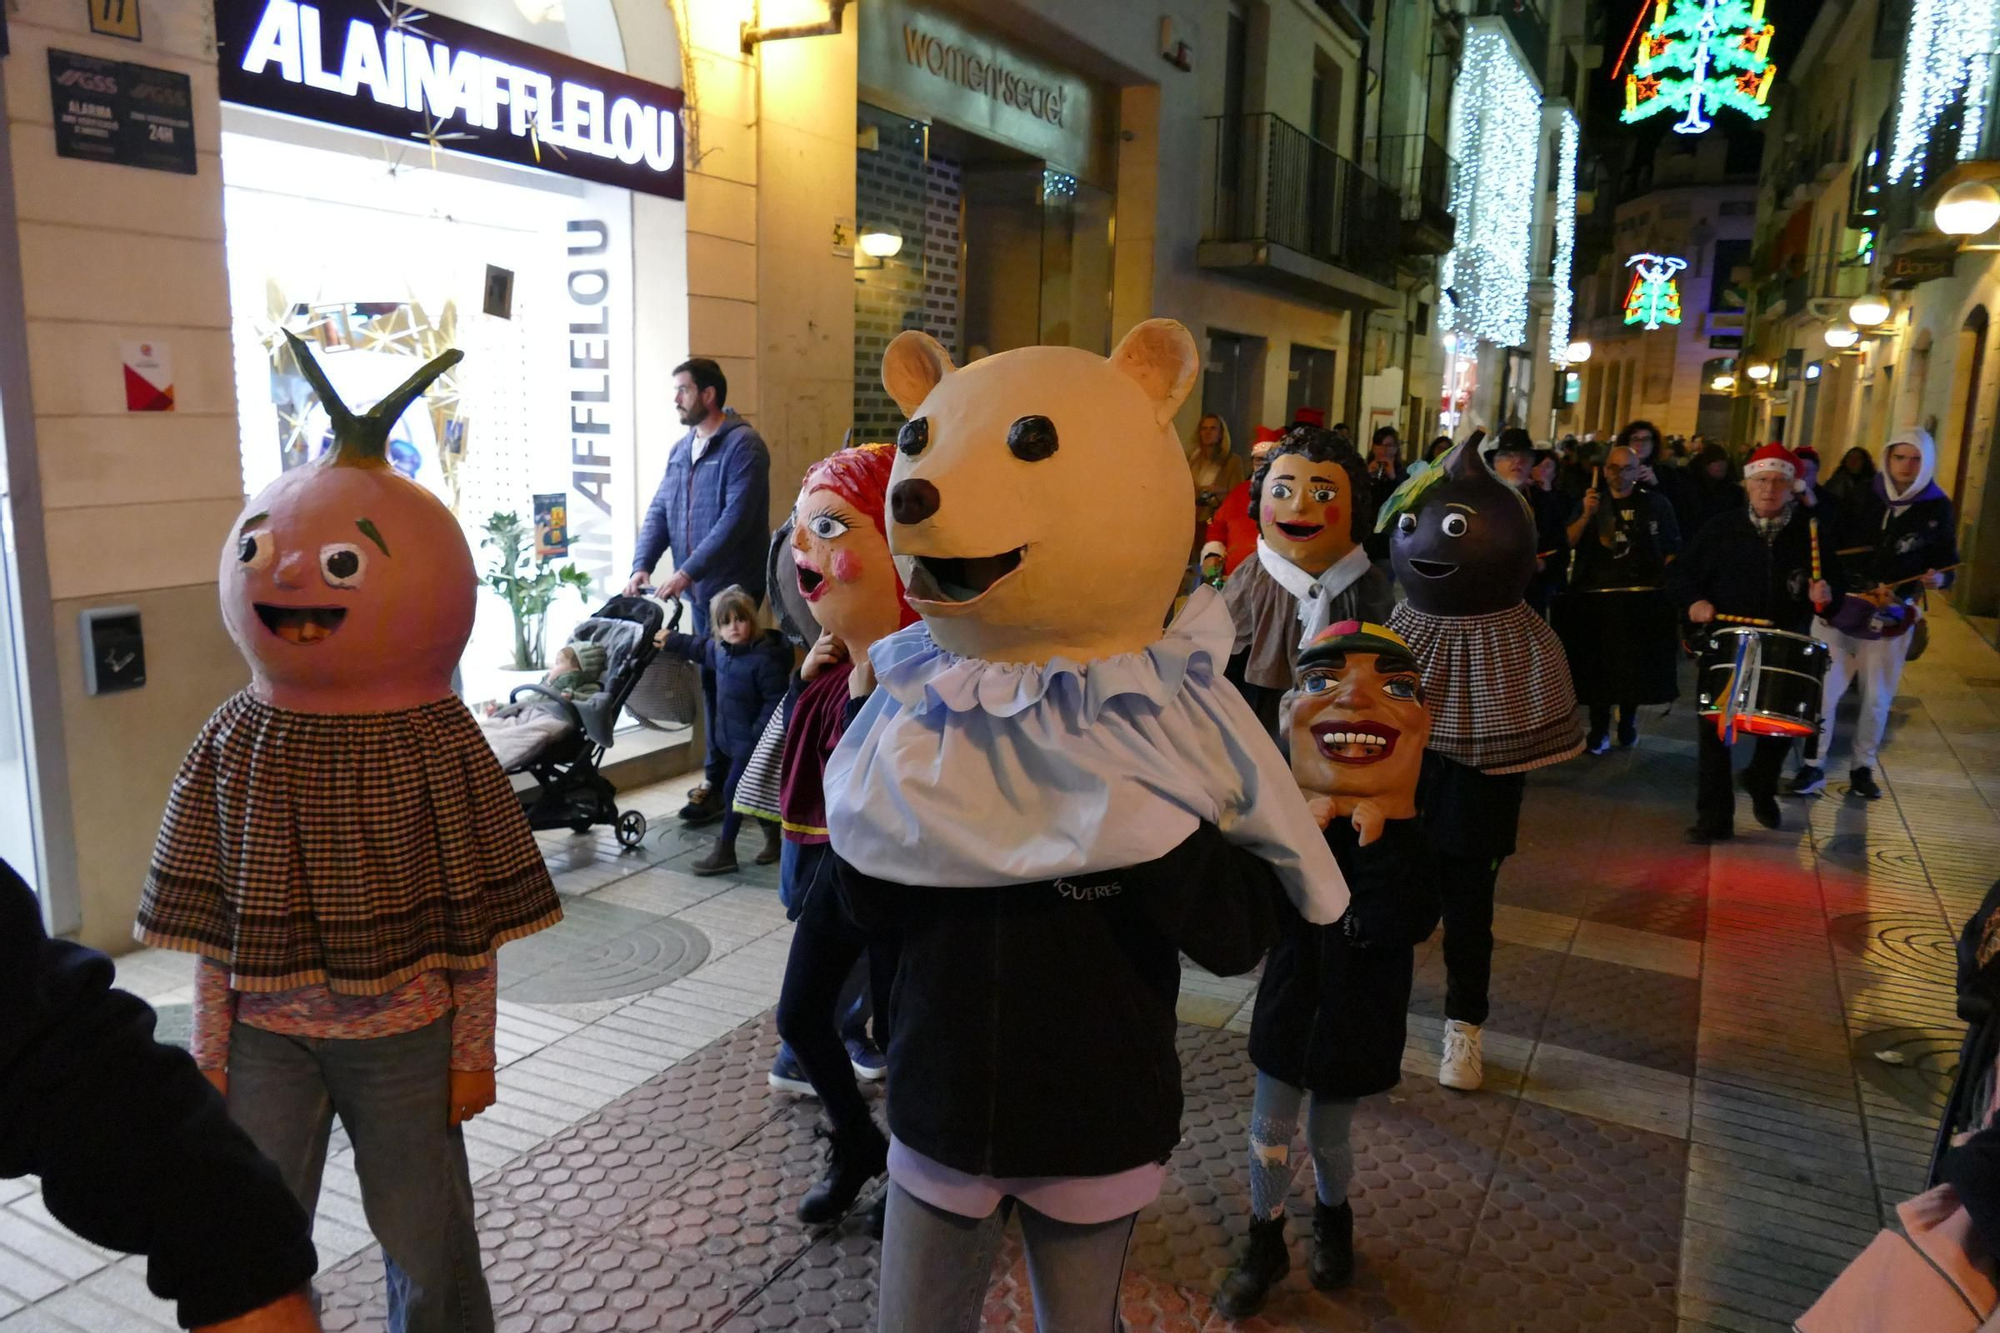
{"points": [[631, 828]]}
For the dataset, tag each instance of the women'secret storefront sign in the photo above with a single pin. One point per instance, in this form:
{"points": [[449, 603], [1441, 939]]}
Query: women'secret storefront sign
{"points": [[394, 69]]}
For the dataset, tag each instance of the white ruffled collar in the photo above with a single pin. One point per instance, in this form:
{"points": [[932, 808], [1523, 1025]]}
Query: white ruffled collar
{"points": [[914, 671]]}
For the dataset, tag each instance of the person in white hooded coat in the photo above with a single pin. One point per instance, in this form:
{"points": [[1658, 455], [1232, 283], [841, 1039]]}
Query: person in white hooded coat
{"points": [[1905, 528]]}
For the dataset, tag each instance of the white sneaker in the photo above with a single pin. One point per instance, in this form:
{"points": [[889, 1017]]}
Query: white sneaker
{"points": [[1462, 1066]]}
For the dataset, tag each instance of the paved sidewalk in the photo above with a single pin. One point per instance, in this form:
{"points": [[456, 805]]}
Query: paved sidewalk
{"points": [[1711, 1073]]}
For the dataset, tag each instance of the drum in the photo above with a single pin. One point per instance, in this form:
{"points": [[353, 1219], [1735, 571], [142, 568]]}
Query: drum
{"points": [[1764, 682]]}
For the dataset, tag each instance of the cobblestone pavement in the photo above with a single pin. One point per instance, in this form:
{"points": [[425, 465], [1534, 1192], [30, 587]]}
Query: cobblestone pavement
{"points": [[1711, 1074]]}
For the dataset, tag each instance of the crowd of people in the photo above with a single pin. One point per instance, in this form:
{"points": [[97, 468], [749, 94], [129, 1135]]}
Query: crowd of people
{"points": [[1391, 646]]}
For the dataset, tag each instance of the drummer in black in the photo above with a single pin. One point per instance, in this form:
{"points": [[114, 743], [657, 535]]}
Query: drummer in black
{"points": [[1618, 625], [1753, 565]]}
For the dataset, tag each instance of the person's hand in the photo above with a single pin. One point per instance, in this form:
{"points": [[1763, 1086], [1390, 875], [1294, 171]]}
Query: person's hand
{"points": [[472, 1091], [638, 582], [1590, 501], [1702, 612], [1808, 497], [677, 583], [287, 1314], [1211, 566], [1933, 579], [219, 1080], [861, 681], [1368, 820], [1821, 593], [1647, 475], [825, 652], [1320, 807]]}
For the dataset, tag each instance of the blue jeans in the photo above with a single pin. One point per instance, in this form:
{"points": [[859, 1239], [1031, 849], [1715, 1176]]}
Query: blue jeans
{"points": [[937, 1265], [393, 1094]]}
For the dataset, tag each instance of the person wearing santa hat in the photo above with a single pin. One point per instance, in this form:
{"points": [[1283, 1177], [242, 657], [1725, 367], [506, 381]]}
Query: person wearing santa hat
{"points": [[1906, 525], [1232, 533], [1753, 563]]}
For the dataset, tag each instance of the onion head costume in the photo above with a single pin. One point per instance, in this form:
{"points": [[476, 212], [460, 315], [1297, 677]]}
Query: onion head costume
{"points": [[341, 822], [1463, 543]]}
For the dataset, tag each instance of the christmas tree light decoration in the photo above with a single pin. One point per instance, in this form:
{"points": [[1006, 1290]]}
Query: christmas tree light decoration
{"points": [[1655, 298], [1565, 241], [1947, 60], [1495, 136], [1700, 56]]}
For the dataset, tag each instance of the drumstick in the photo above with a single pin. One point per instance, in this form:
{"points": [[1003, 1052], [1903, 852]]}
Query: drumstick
{"points": [[1813, 531], [1746, 620]]}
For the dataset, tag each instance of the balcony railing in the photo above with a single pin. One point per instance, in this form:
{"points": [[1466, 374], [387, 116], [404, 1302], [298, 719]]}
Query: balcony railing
{"points": [[1275, 184], [1421, 172]]}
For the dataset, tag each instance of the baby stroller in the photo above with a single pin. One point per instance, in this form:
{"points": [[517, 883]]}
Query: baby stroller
{"points": [[570, 792]]}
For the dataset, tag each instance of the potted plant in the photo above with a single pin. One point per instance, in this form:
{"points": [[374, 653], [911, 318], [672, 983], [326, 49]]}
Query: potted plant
{"points": [[528, 584]]}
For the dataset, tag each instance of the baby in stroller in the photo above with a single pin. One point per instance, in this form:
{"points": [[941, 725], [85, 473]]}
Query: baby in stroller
{"points": [[753, 669], [520, 731]]}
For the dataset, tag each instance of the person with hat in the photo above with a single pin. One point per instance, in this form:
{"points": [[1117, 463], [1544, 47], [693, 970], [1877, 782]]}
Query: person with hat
{"points": [[1905, 524], [1514, 460], [1754, 565], [1332, 1007], [1231, 536], [1617, 624]]}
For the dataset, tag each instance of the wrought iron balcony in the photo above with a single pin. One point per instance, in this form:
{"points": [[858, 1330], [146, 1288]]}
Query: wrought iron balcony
{"points": [[1421, 172], [1287, 209]]}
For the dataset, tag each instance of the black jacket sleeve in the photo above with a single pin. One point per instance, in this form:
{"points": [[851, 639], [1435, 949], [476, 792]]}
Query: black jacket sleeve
{"points": [[1218, 903], [134, 1149], [1687, 577], [1392, 883]]}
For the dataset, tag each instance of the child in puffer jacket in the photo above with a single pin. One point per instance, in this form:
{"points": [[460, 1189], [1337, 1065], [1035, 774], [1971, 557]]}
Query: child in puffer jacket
{"points": [[753, 670]]}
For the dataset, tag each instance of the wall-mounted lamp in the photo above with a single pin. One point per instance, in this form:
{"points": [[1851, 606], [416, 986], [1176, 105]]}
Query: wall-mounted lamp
{"points": [[1967, 209], [1723, 383], [1868, 311], [1758, 371], [1841, 336], [881, 243], [753, 36], [1578, 352]]}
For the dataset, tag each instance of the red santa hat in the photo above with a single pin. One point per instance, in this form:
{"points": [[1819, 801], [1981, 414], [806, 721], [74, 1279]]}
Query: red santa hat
{"points": [[1773, 457]]}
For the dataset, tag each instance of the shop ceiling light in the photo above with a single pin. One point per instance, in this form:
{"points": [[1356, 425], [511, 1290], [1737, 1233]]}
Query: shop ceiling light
{"points": [[1841, 336], [878, 243], [1868, 311], [1758, 371], [1967, 209], [1578, 352]]}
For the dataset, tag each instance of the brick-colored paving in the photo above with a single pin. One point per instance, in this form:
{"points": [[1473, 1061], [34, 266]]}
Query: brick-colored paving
{"points": [[1710, 1073]]}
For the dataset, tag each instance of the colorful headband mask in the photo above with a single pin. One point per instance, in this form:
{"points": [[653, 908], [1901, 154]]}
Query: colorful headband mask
{"points": [[1358, 726], [840, 552]]}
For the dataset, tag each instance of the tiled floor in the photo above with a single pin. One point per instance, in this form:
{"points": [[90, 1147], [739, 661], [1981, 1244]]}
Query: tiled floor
{"points": [[1710, 1073]]}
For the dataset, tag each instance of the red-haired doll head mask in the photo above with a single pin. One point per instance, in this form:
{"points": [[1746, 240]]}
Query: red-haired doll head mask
{"points": [[841, 550]]}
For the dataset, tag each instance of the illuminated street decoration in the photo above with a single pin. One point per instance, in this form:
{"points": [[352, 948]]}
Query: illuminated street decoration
{"points": [[1496, 122], [1947, 63], [1565, 239], [1699, 56], [1655, 298]]}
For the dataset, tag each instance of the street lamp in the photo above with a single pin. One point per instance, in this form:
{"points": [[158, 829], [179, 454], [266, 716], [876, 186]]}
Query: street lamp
{"points": [[1758, 371], [1967, 209], [1868, 311], [1841, 335]]}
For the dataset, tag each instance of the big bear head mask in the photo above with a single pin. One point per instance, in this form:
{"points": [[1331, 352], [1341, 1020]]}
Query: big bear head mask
{"points": [[1040, 505]]}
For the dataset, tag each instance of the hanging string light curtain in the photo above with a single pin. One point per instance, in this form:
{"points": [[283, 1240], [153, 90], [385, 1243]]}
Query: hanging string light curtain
{"points": [[1496, 122], [1947, 59], [1700, 56], [1564, 257]]}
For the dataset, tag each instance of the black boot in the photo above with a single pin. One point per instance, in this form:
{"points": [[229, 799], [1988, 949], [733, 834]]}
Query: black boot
{"points": [[773, 838], [1332, 1263], [721, 859], [854, 1159], [1263, 1266]]}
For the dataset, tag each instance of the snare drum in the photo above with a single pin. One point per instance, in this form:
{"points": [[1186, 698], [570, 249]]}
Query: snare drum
{"points": [[1764, 682]]}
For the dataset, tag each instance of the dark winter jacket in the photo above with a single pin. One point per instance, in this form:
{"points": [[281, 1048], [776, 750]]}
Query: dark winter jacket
{"points": [[1031, 1028], [1731, 566], [1332, 1006], [750, 683], [713, 514], [1552, 511], [1905, 540], [1646, 535], [134, 1148], [1706, 499]]}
